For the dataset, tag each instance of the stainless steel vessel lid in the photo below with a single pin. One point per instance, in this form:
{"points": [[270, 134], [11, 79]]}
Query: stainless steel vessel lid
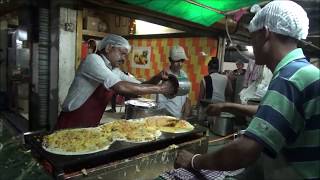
{"points": [[142, 102], [225, 114]]}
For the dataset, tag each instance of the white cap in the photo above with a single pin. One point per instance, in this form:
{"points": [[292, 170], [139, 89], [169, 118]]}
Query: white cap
{"points": [[114, 40], [176, 53], [282, 17]]}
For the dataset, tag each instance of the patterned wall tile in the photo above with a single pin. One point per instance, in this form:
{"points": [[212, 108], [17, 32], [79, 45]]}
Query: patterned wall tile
{"points": [[195, 67]]}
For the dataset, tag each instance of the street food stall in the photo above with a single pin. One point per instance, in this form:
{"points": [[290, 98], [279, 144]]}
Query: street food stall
{"points": [[42, 44]]}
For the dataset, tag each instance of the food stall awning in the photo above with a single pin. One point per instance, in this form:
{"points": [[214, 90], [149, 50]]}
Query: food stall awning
{"points": [[204, 12], [208, 15]]}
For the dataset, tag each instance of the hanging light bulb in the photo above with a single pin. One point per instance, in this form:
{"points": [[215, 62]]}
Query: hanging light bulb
{"points": [[132, 26]]}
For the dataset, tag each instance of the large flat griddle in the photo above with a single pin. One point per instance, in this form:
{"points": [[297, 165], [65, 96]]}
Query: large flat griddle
{"points": [[117, 151]]}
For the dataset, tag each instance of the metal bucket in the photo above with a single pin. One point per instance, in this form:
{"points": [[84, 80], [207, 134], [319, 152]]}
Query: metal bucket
{"points": [[134, 112], [221, 125], [137, 108]]}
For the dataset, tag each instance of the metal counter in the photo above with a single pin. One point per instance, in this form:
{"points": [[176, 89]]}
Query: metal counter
{"points": [[141, 167]]}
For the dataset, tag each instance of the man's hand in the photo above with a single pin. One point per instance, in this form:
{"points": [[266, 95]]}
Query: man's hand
{"points": [[231, 75], [167, 88], [164, 75], [233, 108], [215, 109], [183, 160]]}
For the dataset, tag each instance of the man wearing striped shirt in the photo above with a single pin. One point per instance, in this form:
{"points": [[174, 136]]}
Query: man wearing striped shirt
{"points": [[287, 121]]}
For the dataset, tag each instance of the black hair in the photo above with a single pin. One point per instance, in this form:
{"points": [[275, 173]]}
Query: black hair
{"points": [[214, 63], [239, 62]]}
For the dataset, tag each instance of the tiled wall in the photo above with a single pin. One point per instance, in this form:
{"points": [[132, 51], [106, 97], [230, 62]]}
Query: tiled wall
{"points": [[195, 67]]}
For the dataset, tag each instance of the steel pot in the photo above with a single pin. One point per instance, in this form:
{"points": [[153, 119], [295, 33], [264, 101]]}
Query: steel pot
{"points": [[134, 112], [202, 114], [182, 85], [137, 108], [221, 125]]}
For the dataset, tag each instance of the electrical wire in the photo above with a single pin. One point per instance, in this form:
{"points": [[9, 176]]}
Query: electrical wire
{"points": [[247, 57], [223, 138], [309, 44]]}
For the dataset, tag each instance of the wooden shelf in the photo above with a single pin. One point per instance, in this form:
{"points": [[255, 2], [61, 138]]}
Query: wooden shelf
{"points": [[93, 33]]}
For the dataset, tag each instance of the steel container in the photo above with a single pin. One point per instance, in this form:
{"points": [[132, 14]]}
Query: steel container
{"points": [[221, 125], [182, 85]]}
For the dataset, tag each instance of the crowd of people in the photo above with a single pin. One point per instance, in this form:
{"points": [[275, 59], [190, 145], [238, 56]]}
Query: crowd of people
{"points": [[285, 123]]}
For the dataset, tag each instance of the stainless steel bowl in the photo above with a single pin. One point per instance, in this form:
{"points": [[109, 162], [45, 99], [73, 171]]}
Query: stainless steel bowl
{"points": [[182, 85]]}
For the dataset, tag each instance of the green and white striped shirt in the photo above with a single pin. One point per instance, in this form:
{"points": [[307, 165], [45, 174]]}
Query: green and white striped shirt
{"points": [[288, 117]]}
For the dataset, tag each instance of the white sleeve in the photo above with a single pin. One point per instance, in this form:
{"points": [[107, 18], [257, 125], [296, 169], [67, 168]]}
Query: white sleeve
{"points": [[95, 68]]}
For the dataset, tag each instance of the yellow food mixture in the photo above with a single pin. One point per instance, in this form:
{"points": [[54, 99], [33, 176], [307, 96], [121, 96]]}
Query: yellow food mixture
{"points": [[101, 137]]}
